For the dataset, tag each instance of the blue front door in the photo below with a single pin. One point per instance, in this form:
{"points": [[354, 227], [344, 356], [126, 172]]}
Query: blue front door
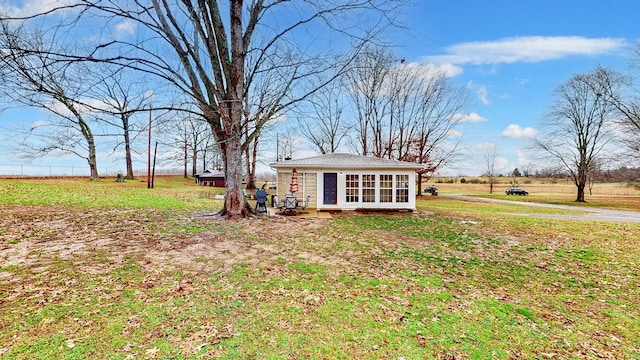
{"points": [[330, 188]]}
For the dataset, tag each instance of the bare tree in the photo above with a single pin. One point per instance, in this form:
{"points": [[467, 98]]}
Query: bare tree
{"points": [[577, 128], [490, 161], [267, 92], [325, 126], [210, 153], [188, 137], [425, 108], [367, 90], [33, 77], [621, 94], [405, 111], [288, 141], [120, 97], [191, 46]]}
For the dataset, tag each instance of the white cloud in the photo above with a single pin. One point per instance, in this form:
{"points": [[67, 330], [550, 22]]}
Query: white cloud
{"points": [[449, 70], [526, 49], [34, 7], [86, 106], [125, 28], [453, 133], [485, 146], [428, 71], [468, 118], [515, 131], [38, 124], [422, 73], [524, 158], [483, 94], [280, 118], [501, 164], [481, 91]]}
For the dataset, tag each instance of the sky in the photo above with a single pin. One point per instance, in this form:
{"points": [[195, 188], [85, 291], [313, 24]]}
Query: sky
{"points": [[510, 55]]}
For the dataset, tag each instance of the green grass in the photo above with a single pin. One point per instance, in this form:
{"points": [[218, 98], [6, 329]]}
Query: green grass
{"points": [[168, 193], [121, 280]]}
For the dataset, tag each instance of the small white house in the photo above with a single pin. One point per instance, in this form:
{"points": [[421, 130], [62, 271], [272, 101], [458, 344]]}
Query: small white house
{"points": [[350, 182]]}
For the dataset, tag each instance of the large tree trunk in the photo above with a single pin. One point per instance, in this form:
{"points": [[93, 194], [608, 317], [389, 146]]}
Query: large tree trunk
{"points": [[247, 164], [204, 159], [251, 182], [234, 200], [194, 163], [185, 160], [580, 180], [127, 150], [93, 165], [580, 197], [91, 144]]}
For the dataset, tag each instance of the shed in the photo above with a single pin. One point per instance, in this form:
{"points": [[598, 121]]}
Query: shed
{"points": [[350, 182], [210, 178]]}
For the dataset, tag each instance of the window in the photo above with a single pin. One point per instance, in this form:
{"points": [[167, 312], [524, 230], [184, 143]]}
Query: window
{"points": [[352, 188], [368, 188], [386, 188], [402, 188]]}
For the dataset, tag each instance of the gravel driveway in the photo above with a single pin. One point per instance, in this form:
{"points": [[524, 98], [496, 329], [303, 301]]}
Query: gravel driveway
{"points": [[590, 213]]}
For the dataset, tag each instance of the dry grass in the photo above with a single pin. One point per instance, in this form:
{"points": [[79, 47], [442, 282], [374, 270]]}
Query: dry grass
{"points": [[610, 195], [154, 279]]}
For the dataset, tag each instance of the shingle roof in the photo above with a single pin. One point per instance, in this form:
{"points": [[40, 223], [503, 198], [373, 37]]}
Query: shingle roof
{"points": [[208, 173], [345, 161]]}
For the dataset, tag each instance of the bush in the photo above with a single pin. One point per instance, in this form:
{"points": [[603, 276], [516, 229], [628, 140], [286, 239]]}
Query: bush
{"points": [[463, 180]]}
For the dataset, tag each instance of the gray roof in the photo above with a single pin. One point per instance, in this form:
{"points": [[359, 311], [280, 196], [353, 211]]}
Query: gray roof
{"points": [[208, 173], [346, 161]]}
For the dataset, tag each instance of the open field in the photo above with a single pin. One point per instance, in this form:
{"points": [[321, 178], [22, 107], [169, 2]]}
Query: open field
{"points": [[118, 271], [610, 195]]}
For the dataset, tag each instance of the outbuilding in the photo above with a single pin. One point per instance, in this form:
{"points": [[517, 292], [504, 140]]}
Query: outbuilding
{"points": [[211, 178], [341, 181]]}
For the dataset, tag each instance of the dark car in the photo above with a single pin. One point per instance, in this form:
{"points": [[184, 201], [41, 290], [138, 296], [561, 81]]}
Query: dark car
{"points": [[432, 189], [515, 191]]}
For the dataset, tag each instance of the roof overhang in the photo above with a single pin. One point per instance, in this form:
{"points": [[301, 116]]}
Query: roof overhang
{"points": [[345, 162]]}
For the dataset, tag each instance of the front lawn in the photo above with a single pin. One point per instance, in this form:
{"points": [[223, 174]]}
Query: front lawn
{"points": [[157, 277]]}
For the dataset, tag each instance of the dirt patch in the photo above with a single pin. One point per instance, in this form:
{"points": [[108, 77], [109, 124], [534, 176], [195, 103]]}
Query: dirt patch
{"points": [[31, 234]]}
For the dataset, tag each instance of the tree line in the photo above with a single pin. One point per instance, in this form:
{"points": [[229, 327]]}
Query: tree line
{"points": [[211, 78], [592, 128], [211, 85]]}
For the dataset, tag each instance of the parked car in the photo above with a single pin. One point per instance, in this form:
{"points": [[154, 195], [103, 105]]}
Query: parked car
{"points": [[515, 191], [273, 186], [432, 189]]}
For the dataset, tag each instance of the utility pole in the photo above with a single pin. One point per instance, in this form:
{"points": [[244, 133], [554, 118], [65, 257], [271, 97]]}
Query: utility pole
{"points": [[149, 154]]}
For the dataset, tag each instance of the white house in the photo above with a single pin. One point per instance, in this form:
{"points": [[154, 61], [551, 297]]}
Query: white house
{"points": [[350, 182]]}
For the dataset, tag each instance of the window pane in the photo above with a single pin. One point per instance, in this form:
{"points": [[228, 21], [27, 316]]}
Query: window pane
{"points": [[368, 188], [386, 188], [352, 188], [402, 188]]}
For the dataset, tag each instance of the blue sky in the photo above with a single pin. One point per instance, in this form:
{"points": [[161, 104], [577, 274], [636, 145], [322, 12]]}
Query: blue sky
{"points": [[510, 54]]}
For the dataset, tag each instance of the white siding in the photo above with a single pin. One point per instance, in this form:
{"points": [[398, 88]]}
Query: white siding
{"points": [[307, 186], [342, 203]]}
